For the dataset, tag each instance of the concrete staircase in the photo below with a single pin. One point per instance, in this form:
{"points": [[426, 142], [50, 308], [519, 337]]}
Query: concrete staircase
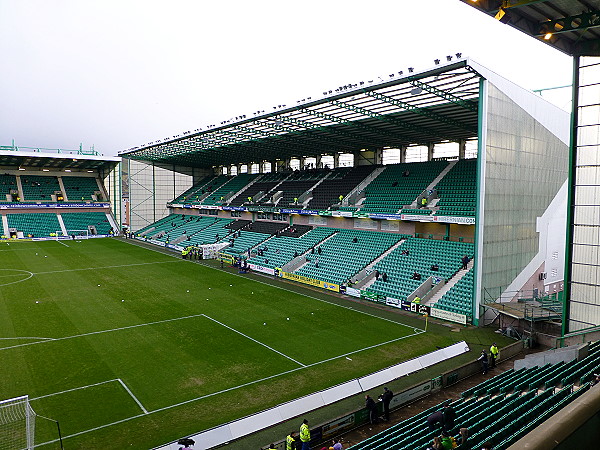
{"points": [[367, 279], [451, 282]]}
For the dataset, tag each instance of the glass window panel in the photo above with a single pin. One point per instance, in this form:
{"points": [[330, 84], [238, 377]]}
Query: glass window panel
{"points": [[589, 115], [586, 235], [587, 195], [587, 175], [589, 95], [588, 156], [589, 135], [589, 74], [587, 215]]}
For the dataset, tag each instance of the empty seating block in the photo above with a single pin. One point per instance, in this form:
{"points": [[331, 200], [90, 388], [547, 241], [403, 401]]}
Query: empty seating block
{"points": [[81, 221], [281, 250], [341, 258], [459, 298], [228, 189], [8, 183], [392, 189], [39, 188], [200, 190], [339, 182], [458, 190], [422, 254], [36, 224], [259, 189], [80, 188]]}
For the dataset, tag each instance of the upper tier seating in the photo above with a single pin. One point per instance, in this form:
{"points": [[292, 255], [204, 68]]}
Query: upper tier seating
{"points": [[422, 254], [205, 188], [264, 185], [80, 221], [341, 258], [458, 190], [232, 186], [391, 190], [39, 188], [7, 183], [501, 410], [296, 184], [339, 182], [281, 249], [191, 193], [35, 224], [80, 188]]}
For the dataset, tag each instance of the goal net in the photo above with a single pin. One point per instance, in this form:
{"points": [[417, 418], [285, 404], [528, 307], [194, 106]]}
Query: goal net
{"points": [[17, 424], [77, 234]]}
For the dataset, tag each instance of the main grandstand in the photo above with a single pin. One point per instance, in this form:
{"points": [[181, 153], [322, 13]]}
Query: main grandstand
{"points": [[436, 192], [395, 177]]}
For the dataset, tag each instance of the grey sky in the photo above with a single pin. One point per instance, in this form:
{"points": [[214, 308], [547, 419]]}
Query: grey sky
{"points": [[118, 74]]}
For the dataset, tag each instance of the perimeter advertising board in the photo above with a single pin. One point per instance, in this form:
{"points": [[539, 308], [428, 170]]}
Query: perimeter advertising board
{"points": [[311, 281]]}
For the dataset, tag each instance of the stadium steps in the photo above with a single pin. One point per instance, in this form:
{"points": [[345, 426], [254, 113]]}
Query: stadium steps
{"points": [[354, 195], [231, 198], [431, 186], [301, 260], [450, 284]]}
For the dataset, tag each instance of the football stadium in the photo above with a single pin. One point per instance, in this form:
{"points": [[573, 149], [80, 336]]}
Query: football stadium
{"points": [[405, 262]]}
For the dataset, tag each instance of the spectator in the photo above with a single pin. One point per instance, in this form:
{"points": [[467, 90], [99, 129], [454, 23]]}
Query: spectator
{"points": [[305, 435], [435, 267], [465, 261], [436, 444], [406, 173], [384, 277], [355, 240], [484, 361], [595, 379], [487, 446], [417, 300], [449, 416], [423, 202], [394, 184], [290, 441], [371, 408], [386, 398], [494, 353], [319, 251], [416, 276], [337, 445], [463, 438], [434, 419], [448, 442]]}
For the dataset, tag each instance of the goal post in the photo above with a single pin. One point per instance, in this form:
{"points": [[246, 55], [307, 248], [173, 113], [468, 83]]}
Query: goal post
{"points": [[17, 424], [77, 234]]}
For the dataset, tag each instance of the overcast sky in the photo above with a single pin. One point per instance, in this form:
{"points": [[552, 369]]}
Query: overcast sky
{"points": [[118, 74]]}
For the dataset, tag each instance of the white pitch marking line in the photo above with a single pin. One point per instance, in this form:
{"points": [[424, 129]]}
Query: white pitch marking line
{"points": [[26, 337], [254, 340], [105, 267], [74, 389], [62, 243], [208, 395], [103, 331], [282, 288], [132, 396]]}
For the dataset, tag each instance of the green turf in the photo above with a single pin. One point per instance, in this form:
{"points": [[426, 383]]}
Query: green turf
{"points": [[101, 316]]}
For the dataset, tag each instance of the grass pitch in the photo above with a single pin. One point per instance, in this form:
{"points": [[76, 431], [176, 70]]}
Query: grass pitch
{"points": [[131, 348]]}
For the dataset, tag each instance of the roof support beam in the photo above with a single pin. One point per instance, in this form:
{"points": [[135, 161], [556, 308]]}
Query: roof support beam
{"points": [[583, 21], [390, 120], [354, 124], [421, 111], [445, 95]]}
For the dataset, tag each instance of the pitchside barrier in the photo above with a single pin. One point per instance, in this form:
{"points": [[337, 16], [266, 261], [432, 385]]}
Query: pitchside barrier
{"points": [[301, 406]]}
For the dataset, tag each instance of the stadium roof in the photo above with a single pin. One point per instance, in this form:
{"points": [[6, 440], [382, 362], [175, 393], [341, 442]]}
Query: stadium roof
{"points": [[436, 105], [571, 26], [32, 160]]}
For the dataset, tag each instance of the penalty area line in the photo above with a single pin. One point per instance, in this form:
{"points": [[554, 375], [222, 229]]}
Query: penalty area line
{"points": [[233, 388], [132, 396], [254, 340], [62, 243]]}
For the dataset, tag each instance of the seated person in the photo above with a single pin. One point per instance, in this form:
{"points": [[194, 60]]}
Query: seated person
{"points": [[435, 267], [416, 276]]}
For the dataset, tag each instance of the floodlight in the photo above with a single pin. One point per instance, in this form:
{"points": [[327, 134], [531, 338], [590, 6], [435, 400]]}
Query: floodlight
{"points": [[459, 55], [449, 58], [411, 69], [547, 36], [401, 72], [436, 61], [391, 75]]}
